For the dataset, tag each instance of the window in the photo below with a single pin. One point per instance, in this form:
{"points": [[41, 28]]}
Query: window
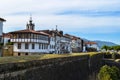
{"points": [[26, 36], [42, 46], [26, 53], [19, 45], [19, 35], [33, 46], [39, 46], [32, 36], [26, 46], [18, 54], [46, 46]]}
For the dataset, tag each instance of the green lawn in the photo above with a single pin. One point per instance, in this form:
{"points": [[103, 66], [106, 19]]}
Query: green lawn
{"points": [[13, 59]]}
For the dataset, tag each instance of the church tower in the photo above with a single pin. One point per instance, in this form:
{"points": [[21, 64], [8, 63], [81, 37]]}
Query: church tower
{"points": [[30, 25]]}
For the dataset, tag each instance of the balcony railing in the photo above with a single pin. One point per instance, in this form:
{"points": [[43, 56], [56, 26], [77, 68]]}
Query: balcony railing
{"points": [[28, 40]]}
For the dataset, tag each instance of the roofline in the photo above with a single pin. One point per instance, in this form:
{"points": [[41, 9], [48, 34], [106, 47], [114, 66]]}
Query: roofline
{"points": [[29, 32], [1, 19]]}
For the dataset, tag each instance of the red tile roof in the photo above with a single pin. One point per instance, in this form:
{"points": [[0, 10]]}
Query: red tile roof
{"points": [[6, 35], [29, 31], [90, 42]]}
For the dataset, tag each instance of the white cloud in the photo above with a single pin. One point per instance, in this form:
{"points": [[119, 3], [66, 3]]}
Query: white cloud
{"points": [[44, 14]]}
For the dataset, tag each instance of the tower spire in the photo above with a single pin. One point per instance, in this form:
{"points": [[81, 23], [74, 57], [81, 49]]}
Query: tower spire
{"points": [[30, 25]]}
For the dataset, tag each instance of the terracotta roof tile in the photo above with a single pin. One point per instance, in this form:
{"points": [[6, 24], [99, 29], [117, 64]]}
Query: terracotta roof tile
{"points": [[29, 31], [6, 35], [90, 42]]}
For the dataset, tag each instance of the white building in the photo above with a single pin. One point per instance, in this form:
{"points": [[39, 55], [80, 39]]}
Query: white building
{"points": [[65, 45], [76, 43], [1, 34], [29, 41], [90, 44], [58, 43], [1, 28]]}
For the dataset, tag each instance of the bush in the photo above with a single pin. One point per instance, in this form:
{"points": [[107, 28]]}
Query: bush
{"points": [[10, 43], [109, 73], [89, 49]]}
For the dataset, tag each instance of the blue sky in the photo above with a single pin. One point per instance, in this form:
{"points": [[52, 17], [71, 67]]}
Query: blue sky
{"points": [[91, 19]]}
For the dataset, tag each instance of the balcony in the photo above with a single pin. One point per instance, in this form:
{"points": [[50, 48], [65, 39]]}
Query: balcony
{"points": [[29, 40]]}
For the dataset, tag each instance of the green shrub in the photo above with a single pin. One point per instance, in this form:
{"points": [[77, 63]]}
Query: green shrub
{"points": [[10, 43], [109, 73]]}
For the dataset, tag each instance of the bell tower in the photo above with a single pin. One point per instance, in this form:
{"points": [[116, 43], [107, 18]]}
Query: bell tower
{"points": [[30, 25]]}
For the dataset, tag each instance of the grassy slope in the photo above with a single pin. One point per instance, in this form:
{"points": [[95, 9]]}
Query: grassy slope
{"points": [[13, 59]]}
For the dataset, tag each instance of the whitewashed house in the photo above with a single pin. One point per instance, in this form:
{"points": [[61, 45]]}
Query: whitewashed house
{"points": [[76, 43], [29, 41], [58, 43], [1, 34], [90, 44], [1, 29], [65, 45]]}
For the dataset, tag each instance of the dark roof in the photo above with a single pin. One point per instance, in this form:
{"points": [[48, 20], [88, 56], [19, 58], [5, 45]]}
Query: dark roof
{"points": [[29, 31], [50, 32], [72, 36], [66, 36], [1, 19]]}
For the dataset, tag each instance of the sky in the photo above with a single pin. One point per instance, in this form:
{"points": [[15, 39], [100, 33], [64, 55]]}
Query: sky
{"points": [[90, 19]]}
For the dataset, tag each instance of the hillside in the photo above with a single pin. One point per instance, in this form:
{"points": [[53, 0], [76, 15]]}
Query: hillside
{"points": [[102, 43]]}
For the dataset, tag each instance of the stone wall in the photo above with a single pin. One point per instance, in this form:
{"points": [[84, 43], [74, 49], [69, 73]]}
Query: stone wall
{"points": [[8, 50], [69, 68]]}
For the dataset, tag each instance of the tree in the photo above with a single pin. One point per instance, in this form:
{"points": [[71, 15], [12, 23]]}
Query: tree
{"points": [[105, 47], [117, 48], [109, 73]]}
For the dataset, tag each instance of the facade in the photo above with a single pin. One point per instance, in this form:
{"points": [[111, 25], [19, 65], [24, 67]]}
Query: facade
{"points": [[30, 42], [65, 45], [58, 43], [76, 43], [1, 34], [92, 45]]}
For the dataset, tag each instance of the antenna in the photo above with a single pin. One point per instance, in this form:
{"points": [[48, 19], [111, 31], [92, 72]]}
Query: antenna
{"points": [[56, 27], [30, 17]]}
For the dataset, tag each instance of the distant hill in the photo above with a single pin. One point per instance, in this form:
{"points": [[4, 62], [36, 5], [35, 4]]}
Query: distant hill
{"points": [[102, 43]]}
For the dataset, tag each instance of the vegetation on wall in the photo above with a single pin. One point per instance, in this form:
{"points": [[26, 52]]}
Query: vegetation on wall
{"points": [[9, 43], [109, 73], [1, 44]]}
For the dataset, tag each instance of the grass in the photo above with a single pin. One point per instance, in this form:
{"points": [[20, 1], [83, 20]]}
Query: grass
{"points": [[13, 59]]}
